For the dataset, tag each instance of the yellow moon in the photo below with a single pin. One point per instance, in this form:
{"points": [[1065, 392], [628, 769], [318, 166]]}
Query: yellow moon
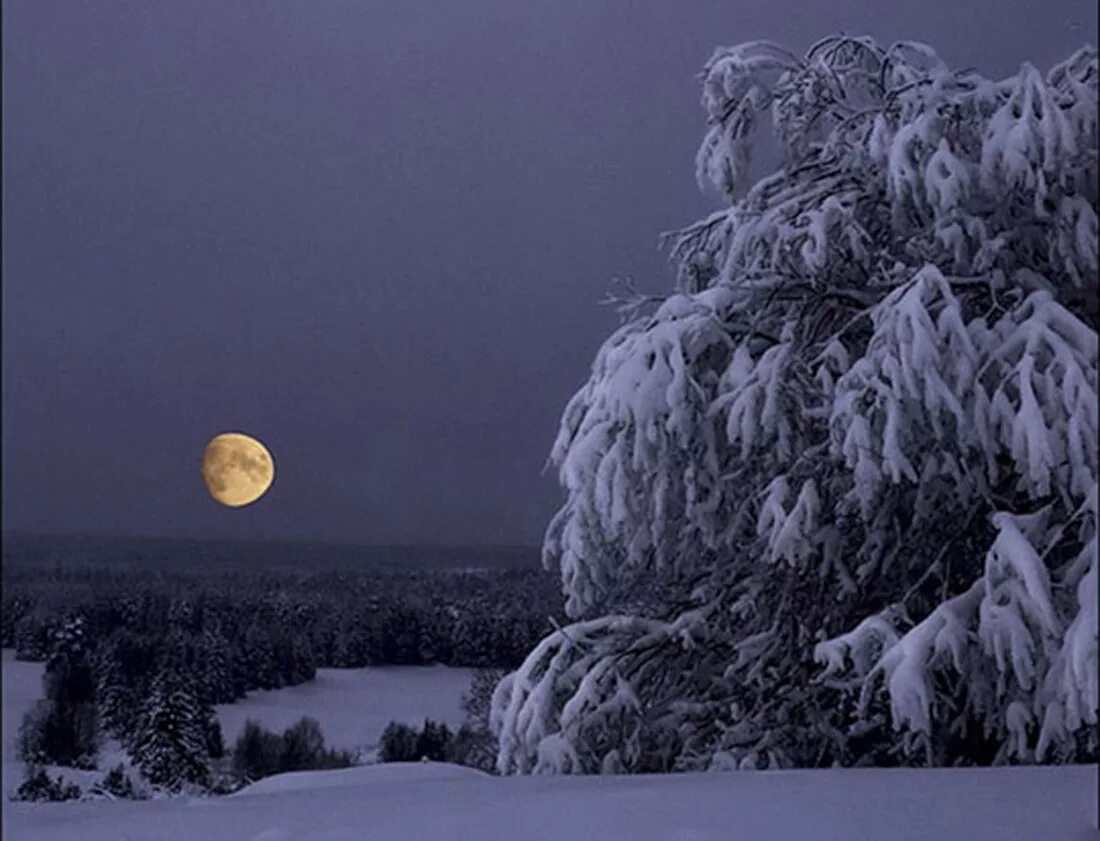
{"points": [[237, 469]]}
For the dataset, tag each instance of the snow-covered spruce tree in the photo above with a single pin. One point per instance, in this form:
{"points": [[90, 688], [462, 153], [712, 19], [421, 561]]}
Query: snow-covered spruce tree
{"points": [[115, 701], [214, 662], [170, 747], [843, 482], [62, 727]]}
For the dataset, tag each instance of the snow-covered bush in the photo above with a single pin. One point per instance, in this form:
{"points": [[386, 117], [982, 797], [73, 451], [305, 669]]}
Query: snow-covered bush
{"points": [[37, 785], [842, 483], [117, 784]]}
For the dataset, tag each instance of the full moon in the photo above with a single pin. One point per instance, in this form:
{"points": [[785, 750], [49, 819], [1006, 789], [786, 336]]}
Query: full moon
{"points": [[237, 469]]}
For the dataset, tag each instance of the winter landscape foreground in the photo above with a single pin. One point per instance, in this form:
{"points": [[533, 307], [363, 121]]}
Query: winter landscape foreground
{"points": [[438, 802], [428, 802]]}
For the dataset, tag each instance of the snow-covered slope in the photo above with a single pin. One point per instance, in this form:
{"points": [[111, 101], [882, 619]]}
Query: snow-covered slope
{"points": [[437, 803], [22, 686], [360, 776]]}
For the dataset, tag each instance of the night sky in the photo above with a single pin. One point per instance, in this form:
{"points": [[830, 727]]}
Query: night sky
{"points": [[371, 234]]}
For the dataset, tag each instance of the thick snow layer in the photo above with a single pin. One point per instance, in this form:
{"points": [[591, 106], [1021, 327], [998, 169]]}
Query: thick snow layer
{"points": [[361, 776], [415, 803], [353, 706]]}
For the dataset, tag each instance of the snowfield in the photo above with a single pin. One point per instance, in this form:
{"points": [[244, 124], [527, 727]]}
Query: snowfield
{"points": [[428, 802], [437, 802], [22, 685], [353, 706]]}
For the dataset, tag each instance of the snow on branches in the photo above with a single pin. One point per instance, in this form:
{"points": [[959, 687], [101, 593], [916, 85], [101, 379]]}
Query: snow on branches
{"points": [[863, 430]]}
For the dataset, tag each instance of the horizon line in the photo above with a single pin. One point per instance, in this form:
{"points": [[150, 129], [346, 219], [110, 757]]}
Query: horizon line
{"points": [[10, 534]]}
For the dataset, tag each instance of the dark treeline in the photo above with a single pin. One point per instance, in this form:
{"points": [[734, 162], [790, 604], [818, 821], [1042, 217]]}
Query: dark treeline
{"points": [[266, 628]]}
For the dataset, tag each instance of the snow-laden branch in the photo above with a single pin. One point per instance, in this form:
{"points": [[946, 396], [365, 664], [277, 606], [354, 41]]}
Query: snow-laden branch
{"points": [[864, 426]]}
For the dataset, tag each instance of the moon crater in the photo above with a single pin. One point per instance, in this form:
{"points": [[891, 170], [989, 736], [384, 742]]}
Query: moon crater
{"points": [[237, 469]]}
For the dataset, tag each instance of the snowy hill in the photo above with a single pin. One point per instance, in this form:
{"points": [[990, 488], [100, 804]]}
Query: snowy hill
{"points": [[437, 803], [368, 775]]}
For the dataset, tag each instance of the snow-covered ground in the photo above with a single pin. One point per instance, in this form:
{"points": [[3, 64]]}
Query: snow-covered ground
{"points": [[435, 802], [22, 686], [440, 803], [353, 706]]}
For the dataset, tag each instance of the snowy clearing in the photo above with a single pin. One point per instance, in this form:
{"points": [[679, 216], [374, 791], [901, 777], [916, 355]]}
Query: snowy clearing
{"points": [[415, 803], [353, 706], [22, 684]]}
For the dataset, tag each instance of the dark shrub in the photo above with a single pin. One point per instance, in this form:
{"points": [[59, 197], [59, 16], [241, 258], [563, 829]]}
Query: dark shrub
{"points": [[38, 785], [260, 753], [215, 743], [478, 699], [257, 753], [303, 746], [398, 743], [474, 744], [473, 748], [35, 734], [55, 733], [118, 785], [401, 743], [433, 742], [333, 758]]}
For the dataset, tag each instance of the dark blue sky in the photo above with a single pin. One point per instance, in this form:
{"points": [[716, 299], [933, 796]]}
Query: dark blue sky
{"points": [[372, 234]]}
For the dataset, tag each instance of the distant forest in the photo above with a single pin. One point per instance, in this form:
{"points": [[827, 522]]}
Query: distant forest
{"points": [[274, 614], [142, 638]]}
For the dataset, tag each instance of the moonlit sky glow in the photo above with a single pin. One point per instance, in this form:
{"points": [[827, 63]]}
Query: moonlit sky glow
{"points": [[371, 234]]}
